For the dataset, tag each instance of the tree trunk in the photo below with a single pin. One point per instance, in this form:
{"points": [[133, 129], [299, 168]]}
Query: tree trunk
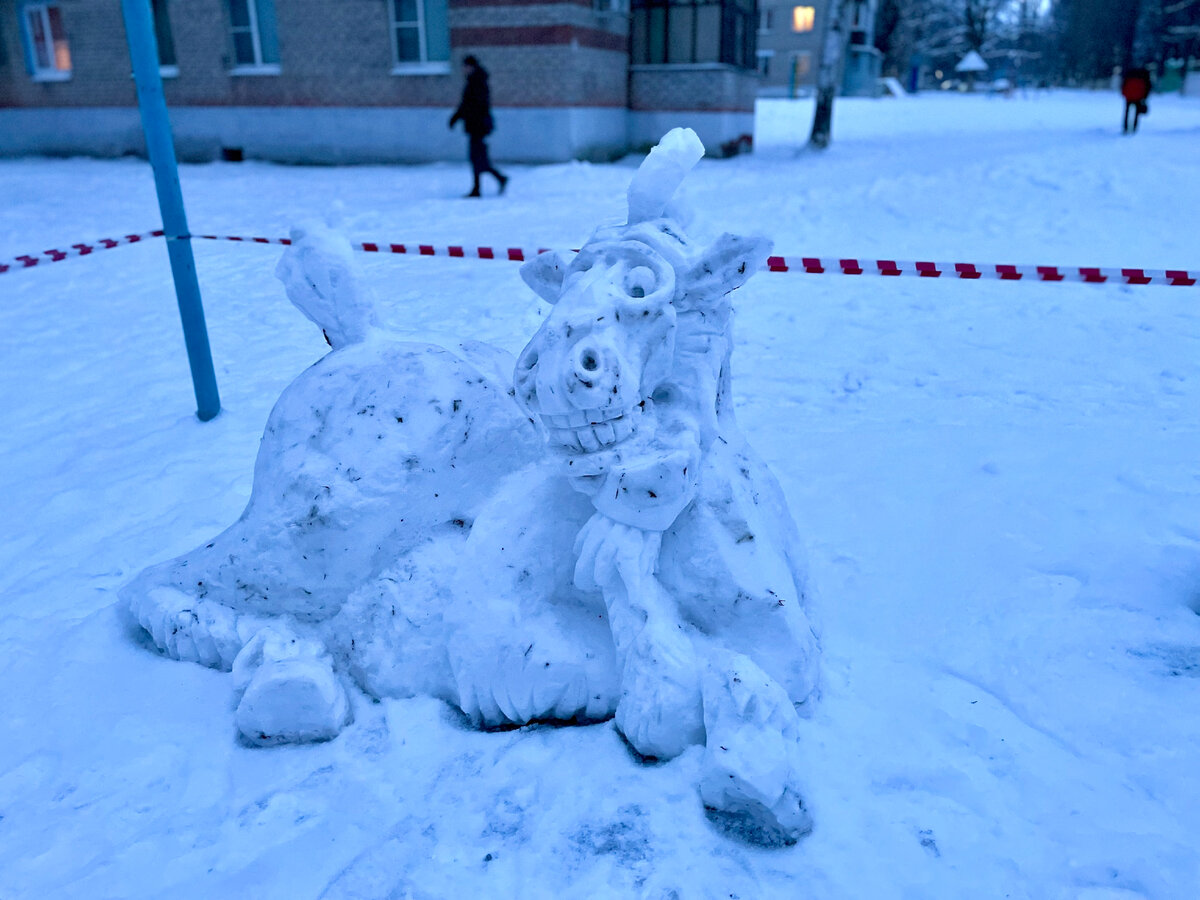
{"points": [[1131, 10], [833, 51]]}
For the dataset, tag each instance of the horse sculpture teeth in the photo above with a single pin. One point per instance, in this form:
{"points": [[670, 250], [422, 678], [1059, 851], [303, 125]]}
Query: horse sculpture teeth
{"points": [[588, 439], [605, 434], [623, 427], [568, 438], [590, 430]]}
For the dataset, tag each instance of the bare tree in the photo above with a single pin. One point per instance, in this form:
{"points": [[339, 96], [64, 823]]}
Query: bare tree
{"points": [[1096, 35], [829, 72], [1168, 29], [942, 31]]}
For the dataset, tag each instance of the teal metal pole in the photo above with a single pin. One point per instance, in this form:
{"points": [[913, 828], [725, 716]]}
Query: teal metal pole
{"points": [[160, 147]]}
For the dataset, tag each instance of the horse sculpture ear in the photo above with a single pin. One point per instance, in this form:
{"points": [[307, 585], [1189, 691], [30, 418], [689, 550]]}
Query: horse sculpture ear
{"points": [[723, 267], [545, 272], [661, 173]]}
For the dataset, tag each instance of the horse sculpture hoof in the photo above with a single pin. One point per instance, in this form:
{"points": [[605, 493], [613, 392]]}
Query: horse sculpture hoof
{"points": [[750, 781], [188, 629], [291, 692]]}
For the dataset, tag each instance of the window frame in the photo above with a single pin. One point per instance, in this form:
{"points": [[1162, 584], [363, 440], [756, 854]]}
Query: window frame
{"points": [[765, 58], [733, 42], [162, 26], [260, 66], [37, 72], [800, 65], [424, 65]]}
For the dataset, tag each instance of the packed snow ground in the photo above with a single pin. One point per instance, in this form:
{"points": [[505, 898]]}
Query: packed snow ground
{"points": [[998, 485]]}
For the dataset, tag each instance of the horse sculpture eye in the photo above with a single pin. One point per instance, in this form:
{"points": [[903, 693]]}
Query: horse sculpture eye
{"points": [[640, 281]]}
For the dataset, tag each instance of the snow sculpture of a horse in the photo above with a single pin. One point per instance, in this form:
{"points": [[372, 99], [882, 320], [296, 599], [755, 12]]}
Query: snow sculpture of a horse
{"points": [[411, 532]]}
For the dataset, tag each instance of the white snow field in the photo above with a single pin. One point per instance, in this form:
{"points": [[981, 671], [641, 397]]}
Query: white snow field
{"points": [[997, 485]]}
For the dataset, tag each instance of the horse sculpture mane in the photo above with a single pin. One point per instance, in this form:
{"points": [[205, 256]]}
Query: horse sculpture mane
{"points": [[591, 538]]}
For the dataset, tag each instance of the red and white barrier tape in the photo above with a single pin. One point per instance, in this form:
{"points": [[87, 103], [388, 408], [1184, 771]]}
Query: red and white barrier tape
{"points": [[49, 256], [795, 264], [890, 267], [514, 254]]}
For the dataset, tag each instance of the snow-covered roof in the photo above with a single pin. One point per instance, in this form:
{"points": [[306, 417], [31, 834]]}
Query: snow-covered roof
{"points": [[972, 62]]}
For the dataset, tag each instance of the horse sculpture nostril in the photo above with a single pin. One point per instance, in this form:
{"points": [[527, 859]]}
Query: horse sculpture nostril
{"points": [[588, 361]]}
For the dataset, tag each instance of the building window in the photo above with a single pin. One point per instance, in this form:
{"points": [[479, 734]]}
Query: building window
{"points": [[801, 66], [766, 21], [420, 34], [47, 51], [671, 32], [255, 41], [803, 18], [167, 63], [764, 62]]}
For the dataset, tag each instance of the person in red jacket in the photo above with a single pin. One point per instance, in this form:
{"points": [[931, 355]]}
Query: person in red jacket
{"points": [[1135, 88]]}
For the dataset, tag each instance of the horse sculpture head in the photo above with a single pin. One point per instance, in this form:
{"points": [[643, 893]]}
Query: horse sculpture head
{"points": [[635, 351]]}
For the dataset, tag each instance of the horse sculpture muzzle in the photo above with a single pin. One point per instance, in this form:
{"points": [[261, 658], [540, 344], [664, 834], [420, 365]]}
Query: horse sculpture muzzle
{"points": [[609, 341]]}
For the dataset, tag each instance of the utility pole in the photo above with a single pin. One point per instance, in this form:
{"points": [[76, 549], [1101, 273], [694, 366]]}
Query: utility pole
{"points": [[160, 147]]}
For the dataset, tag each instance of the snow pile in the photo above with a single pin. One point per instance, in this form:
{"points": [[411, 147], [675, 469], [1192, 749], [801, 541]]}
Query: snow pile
{"points": [[406, 530]]}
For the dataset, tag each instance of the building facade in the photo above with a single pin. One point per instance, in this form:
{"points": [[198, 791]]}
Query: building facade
{"points": [[790, 38], [789, 45], [864, 61], [376, 80]]}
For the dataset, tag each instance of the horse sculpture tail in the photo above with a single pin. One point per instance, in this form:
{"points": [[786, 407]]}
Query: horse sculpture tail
{"points": [[322, 280]]}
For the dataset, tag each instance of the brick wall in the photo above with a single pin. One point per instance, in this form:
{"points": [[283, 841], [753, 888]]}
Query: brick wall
{"points": [[560, 75], [335, 54], [708, 87], [561, 54]]}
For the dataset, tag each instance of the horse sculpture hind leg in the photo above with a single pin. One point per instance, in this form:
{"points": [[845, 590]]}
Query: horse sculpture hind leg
{"points": [[374, 450]]}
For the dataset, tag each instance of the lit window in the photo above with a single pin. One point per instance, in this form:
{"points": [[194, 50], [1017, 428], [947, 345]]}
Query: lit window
{"points": [[420, 32], [47, 50], [803, 18], [255, 42]]}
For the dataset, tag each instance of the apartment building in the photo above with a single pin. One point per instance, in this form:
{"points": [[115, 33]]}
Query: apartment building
{"points": [[335, 81], [790, 35]]}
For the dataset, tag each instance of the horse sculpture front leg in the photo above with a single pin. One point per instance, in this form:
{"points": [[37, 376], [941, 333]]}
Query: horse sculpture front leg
{"points": [[661, 711], [680, 689]]}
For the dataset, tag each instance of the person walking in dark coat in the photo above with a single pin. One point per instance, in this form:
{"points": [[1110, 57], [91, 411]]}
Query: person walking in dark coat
{"points": [[1135, 88], [475, 112]]}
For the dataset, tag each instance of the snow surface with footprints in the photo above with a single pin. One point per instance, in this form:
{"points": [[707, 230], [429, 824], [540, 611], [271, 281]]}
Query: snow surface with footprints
{"points": [[997, 485]]}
